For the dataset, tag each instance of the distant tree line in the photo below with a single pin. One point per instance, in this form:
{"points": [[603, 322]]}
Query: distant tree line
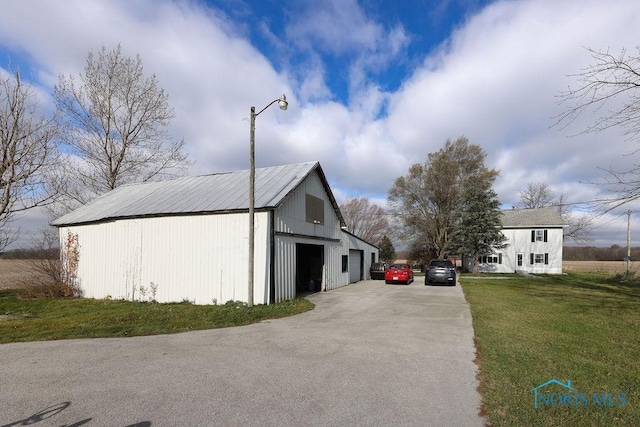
{"points": [[32, 253], [593, 253]]}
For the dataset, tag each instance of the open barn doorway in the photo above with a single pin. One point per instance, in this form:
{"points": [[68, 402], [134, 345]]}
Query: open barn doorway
{"points": [[309, 264]]}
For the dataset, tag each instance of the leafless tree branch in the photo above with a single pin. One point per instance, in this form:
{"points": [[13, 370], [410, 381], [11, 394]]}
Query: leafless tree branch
{"points": [[115, 120], [28, 154], [540, 195], [364, 219], [609, 78]]}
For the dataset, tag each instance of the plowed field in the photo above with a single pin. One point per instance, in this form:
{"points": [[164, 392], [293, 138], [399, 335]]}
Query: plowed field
{"points": [[18, 272], [599, 266]]}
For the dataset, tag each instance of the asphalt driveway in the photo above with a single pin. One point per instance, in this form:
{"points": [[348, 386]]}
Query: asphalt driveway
{"points": [[368, 354]]}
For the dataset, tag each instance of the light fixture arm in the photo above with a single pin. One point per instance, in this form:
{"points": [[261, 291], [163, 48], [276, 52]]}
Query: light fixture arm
{"points": [[282, 101]]}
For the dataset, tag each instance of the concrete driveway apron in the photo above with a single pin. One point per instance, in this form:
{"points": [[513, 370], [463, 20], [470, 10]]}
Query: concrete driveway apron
{"points": [[368, 354]]}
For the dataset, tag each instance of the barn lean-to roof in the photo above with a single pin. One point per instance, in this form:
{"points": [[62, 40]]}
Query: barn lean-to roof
{"points": [[214, 193]]}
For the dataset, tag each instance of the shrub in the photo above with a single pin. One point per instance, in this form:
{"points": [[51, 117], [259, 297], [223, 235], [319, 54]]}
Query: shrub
{"points": [[627, 276], [48, 290]]}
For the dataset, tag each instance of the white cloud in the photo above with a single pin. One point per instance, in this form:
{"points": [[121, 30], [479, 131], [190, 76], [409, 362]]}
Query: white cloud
{"points": [[336, 26], [495, 81]]}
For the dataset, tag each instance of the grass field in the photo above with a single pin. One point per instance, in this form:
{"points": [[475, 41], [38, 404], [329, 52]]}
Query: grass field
{"points": [[23, 318], [579, 327]]}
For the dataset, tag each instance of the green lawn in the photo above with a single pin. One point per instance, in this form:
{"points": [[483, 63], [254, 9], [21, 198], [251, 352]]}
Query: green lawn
{"points": [[58, 318], [579, 327]]}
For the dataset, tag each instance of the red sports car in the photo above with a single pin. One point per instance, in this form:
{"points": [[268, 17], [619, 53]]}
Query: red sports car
{"points": [[401, 273]]}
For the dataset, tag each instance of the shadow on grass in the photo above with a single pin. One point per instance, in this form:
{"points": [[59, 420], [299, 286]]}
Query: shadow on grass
{"points": [[588, 291]]}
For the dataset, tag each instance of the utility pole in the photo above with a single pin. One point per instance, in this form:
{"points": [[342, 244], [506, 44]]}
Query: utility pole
{"points": [[628, 240], [282, 101]]}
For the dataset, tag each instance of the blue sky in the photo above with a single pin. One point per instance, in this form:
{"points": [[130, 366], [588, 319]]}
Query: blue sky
{"points": [[390, 40], [373, 86]]}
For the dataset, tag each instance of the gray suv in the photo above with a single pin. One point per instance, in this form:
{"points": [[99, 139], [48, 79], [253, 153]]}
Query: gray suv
{"points": [[440, 270]]}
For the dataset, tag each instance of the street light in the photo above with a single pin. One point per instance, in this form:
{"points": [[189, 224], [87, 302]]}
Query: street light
{"points": [[282, 102]]}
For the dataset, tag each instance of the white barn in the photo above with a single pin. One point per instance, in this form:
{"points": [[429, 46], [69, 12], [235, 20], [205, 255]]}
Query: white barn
{"points": [[534, 243], [188, 238]]}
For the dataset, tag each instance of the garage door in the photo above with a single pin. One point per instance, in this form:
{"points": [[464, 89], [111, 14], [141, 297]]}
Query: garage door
{"points": [[355, 265]]}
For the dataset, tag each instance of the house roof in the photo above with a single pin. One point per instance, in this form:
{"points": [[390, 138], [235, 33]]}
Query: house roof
{"points": [[527, 218], [214, 193]]}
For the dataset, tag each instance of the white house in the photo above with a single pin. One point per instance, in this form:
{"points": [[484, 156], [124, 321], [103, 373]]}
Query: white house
{"points": [[534, 243], [188, 238]]}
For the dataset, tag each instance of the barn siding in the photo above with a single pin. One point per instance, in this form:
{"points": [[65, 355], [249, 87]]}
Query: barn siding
{"points": [[291, 214], [285, 265], [291, 228], [202, 258], [368, 251]]}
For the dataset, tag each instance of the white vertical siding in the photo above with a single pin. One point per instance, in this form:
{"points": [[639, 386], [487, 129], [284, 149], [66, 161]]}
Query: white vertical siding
{"points": [[196, 258], [285, 265], [352, 242], [291, 228], [291, 215], [335, 277], [285, 268]]}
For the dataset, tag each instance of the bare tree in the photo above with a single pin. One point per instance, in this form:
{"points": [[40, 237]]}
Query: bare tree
{"points": [[540, 195], [608, 79], [609, 87], [115, 121], [28, 154], [364, 219], [536, 195], [578, 224]]}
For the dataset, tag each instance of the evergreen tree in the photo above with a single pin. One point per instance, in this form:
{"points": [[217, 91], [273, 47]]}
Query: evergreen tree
{"points": [[478, 232], [387, 251]]}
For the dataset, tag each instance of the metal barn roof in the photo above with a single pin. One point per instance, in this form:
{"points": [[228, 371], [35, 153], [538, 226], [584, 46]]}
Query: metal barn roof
{"points": [[540, 217], [220, 192]]}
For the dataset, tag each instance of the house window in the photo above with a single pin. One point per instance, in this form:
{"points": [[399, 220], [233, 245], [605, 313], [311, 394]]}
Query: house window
{"points": [[538, 235], [345, 263], [491, 259], [520, 257], [314, 209], [539, 258]]}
